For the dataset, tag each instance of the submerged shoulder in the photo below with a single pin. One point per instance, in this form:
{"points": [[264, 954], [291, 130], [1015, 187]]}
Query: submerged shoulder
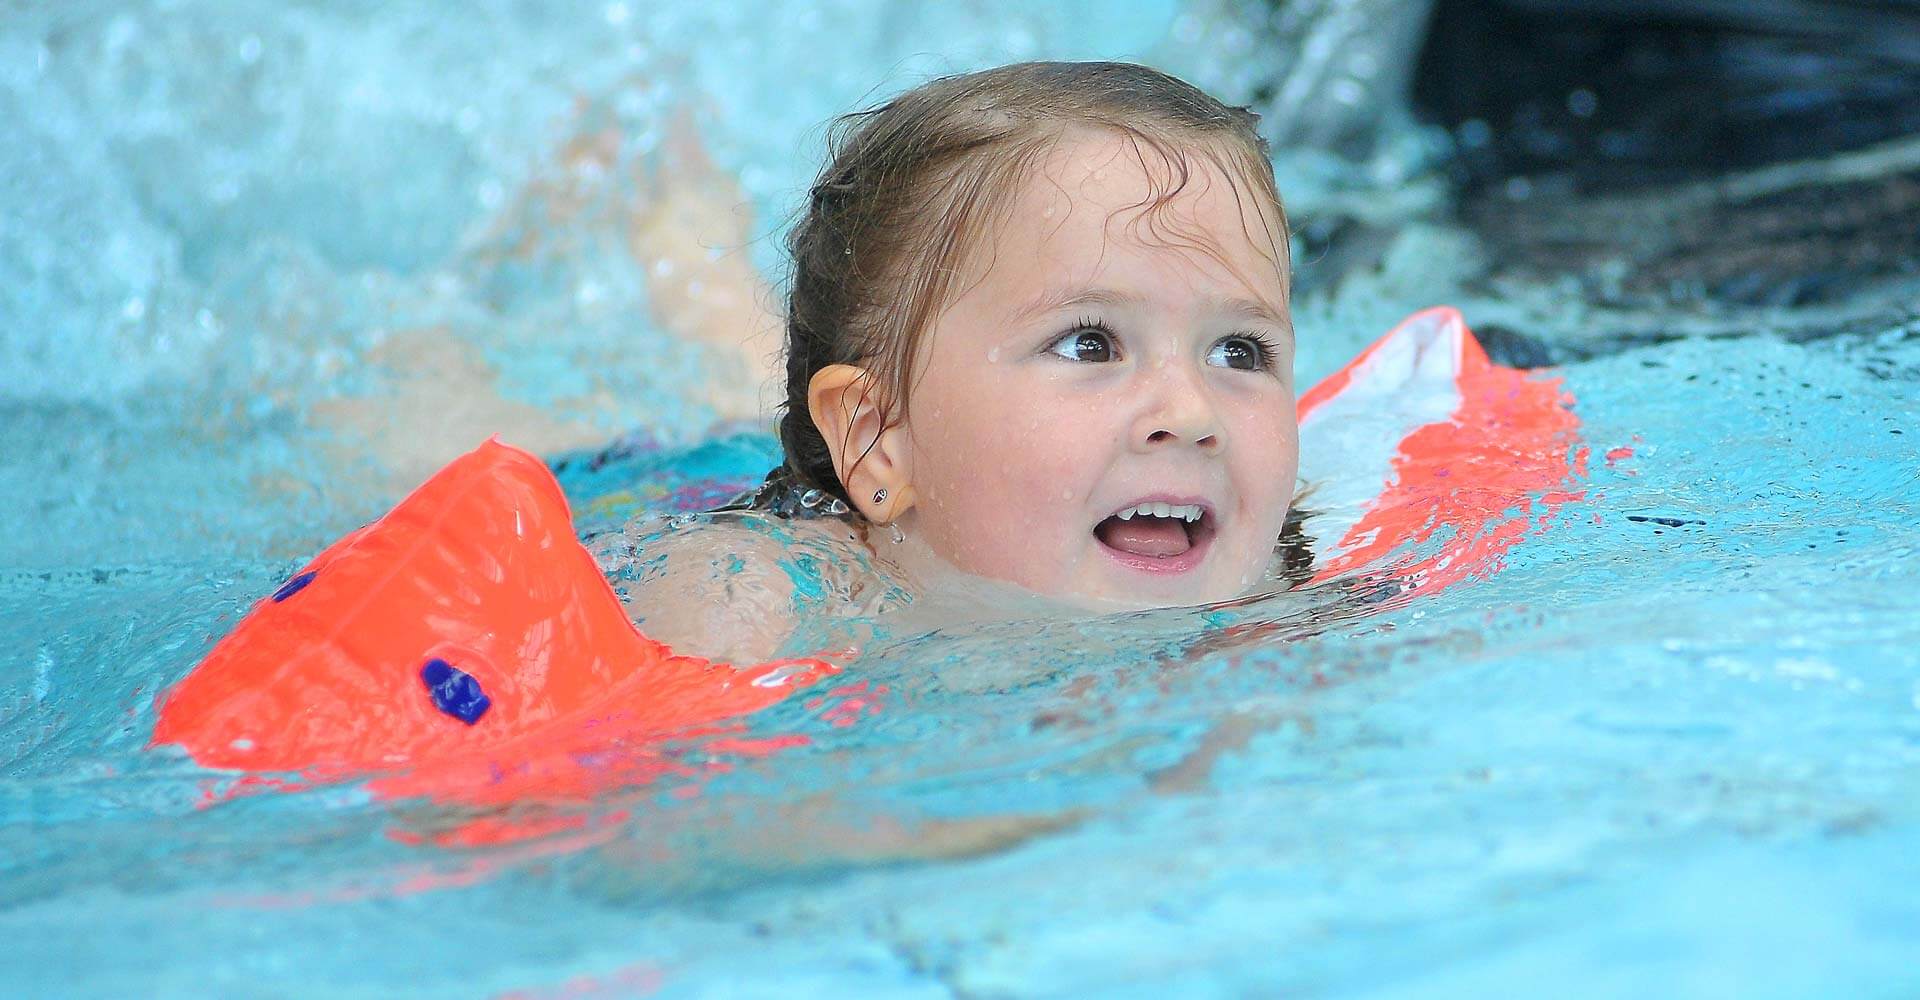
{"points": [[712, 590], [730, 588]]}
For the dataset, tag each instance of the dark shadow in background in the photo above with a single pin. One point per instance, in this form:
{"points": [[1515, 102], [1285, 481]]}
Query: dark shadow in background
{"points": [[1619, 94], [1720, 167]]}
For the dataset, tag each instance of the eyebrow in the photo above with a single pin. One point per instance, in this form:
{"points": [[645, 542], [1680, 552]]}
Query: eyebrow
{"points": [[1234, 306]]}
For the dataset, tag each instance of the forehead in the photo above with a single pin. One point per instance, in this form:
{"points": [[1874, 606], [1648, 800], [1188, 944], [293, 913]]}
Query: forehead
{"points": [[1097, 201]]}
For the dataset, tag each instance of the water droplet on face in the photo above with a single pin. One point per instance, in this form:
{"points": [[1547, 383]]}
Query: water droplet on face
{"points": [[993, 355]]}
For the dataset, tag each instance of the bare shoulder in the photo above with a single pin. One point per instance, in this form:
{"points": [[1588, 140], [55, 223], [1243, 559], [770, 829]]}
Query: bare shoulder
{"points": [[732, 588], [712, 590]]}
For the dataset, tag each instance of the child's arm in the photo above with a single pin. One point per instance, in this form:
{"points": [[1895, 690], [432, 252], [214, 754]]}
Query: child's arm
{"points": [[691, 239], [686, 225]]}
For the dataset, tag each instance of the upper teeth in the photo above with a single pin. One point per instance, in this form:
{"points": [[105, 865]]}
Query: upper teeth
{"points": [[1183, 511]]}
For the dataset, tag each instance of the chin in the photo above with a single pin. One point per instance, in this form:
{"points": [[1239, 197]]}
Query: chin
{"points": [[1204, 585], [1137, 599]]}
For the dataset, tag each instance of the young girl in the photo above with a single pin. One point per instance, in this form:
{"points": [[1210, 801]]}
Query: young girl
{"points": [[1038, 352]]}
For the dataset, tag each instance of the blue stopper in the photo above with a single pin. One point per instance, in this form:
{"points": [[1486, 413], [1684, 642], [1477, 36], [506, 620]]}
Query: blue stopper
{"points": [[454, 691], [294, 586]]}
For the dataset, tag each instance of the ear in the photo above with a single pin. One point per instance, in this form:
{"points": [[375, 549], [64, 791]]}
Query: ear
{"points": [[869, 454]]}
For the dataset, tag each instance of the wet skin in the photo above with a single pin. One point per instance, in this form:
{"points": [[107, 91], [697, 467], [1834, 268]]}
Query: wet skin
{"points": [[1098, 356]]}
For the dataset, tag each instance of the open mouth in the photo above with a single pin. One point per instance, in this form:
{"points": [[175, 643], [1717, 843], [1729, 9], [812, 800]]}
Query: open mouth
{"points": [[1158, 537]]}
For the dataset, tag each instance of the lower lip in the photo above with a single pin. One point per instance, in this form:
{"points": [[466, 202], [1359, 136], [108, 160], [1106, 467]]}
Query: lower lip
{"points": [[1160, 565]]}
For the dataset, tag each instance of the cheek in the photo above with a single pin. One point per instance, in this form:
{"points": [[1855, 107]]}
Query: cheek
{"points": [[1273, 460], [1011, 432], [1287, 449], [1022, 470], [1003, 485], [1270, 419]]}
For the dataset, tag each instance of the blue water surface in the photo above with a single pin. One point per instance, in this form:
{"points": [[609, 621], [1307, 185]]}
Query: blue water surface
{"points": [[1643, 758]]}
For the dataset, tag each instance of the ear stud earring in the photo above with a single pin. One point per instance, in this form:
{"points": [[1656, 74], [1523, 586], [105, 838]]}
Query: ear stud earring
{"points": [[879, 496]]}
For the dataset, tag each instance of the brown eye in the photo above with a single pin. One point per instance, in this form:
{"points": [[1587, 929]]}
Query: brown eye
{"points": [[1084, 345], [1241, 354]]}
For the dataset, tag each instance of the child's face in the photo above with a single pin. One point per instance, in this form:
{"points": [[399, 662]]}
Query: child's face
{"points": [[1105, 361]]}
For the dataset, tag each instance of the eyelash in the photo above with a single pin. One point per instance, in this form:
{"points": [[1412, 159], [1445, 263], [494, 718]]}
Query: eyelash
{"points": [[1093, 324], [1269, 351]]}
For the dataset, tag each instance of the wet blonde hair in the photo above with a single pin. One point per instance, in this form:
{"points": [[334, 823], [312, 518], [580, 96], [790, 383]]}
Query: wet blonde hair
{"points": [[911, 186]]}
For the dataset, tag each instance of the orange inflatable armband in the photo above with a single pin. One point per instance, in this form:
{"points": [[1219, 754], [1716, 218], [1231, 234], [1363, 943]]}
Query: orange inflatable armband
{"points": [[1423, 443], [464, 646]]}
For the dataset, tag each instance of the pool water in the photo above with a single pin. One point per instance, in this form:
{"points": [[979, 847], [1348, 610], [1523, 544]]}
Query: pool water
{"points": [[1670, 747]]}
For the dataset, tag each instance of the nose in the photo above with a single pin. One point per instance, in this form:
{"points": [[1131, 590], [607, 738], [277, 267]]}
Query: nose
{"points": [[1175, 409]]}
